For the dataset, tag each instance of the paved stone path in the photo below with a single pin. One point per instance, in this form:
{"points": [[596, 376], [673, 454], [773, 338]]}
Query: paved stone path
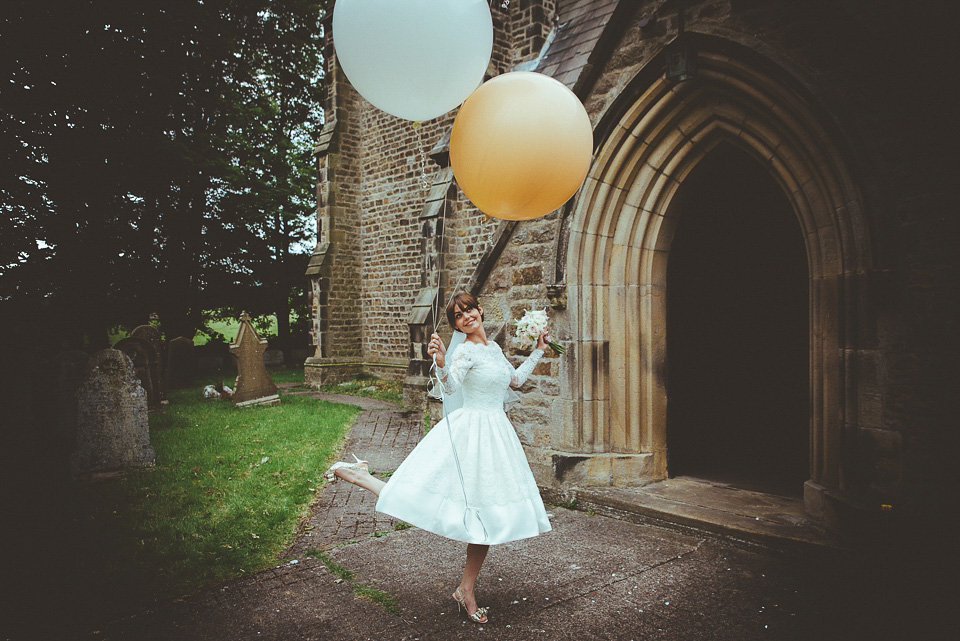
{"points": [[344, 512], [592, 577]]}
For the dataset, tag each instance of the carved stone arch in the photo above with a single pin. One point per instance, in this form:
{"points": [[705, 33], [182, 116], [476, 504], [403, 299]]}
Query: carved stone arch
{"points": [[619, 234]]}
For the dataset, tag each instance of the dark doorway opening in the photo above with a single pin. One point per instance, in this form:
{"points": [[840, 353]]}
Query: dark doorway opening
{"points": [[737, 330]]}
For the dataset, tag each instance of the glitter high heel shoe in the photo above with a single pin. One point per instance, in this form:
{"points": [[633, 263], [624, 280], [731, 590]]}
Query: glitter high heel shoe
{"points": [[359, 466], [480, 616]]}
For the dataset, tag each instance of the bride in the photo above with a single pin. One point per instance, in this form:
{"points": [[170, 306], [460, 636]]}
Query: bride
{"points": [[468, 479]]}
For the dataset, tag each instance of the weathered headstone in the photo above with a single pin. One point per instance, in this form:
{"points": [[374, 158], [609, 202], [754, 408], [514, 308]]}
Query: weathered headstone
{"points": [[113, 433], [152, 335], [254, 385], [181, 363], [142, 354]]}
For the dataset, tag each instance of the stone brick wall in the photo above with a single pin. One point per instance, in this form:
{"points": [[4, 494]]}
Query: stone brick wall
{"points": [[372, 185], [530, 24], [395, 180], [335, 268]]}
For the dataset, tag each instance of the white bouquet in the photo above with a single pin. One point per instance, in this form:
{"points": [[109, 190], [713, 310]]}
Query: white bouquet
{"points": [[531, 326]]}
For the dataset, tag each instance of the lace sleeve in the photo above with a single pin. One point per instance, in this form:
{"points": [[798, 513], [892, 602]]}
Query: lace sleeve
{"points": [[521, 373], [451, 376]]}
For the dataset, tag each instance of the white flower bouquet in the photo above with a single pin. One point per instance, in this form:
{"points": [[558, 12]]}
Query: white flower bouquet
{"points": [[531, 325]]}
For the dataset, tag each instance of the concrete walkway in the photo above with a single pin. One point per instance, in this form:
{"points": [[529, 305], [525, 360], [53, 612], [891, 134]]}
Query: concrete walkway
{"points": [[592, 577]]}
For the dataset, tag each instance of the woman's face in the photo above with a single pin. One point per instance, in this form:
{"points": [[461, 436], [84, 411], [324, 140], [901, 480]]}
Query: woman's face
{"points": [[468, 320]]}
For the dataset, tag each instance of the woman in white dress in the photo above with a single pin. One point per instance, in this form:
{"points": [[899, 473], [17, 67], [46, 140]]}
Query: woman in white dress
{"points": [[468, 479]]}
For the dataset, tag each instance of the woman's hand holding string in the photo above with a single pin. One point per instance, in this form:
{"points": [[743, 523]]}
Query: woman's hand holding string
{"points": [[437, 350]]}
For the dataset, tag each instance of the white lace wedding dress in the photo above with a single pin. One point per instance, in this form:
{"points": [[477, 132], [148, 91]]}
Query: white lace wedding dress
{"points": [[502, 500]]}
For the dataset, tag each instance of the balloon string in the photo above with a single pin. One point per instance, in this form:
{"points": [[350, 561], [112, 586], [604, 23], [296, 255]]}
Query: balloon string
{"points": [[436, 299], [443, 229], [456, 459], [424, 183], [436, 315]]}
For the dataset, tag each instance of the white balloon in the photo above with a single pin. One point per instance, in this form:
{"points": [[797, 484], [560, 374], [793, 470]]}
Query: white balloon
{"points": [[415, 59]]}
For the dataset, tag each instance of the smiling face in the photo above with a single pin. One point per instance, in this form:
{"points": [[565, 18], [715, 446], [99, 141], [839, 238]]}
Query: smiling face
{"points": [[460, 306], [467, 319]]}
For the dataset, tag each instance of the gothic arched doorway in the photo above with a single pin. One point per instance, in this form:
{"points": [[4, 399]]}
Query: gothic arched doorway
{"points": [[617, 249], [737, 329]]}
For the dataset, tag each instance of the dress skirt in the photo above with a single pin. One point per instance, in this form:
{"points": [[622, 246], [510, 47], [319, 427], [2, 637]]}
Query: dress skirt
{"points": [[493, 498]]}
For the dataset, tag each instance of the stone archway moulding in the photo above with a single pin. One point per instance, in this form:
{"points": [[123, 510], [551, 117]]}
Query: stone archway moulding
{"points": [[619, 234]]}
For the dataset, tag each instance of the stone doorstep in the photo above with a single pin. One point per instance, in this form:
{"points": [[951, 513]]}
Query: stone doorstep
{"points": [[742, 515]]}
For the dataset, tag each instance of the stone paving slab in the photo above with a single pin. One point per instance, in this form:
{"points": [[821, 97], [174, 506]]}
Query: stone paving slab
{"points": [[519, 579], [593, 578], [298, 601]]}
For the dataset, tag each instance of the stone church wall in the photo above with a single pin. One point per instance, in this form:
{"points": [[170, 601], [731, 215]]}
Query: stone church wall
{"points": [[880, 106]]}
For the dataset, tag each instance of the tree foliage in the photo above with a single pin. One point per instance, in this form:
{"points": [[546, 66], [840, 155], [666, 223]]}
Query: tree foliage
{"points": [[159, 159]]}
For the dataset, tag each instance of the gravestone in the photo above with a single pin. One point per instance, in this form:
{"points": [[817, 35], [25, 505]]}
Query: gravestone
{"points": [[181, 363], [254, 385], [143, 355], [113, 433], [152, 335]]}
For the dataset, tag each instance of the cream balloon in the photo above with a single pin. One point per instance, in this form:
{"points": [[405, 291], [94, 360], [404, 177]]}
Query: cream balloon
{"points": [[521, 146], [415, 59]]}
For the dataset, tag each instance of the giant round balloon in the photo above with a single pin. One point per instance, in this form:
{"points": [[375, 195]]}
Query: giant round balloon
{"points": [[521, 146], [415, 59]]}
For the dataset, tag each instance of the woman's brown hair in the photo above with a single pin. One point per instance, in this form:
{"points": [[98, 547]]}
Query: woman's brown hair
{"points": [[463, 302]]}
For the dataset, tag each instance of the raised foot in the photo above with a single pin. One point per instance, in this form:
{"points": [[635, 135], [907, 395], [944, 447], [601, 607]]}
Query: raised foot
{"points": [[338, 469]]}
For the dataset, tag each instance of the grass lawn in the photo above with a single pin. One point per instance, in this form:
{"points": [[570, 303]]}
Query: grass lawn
{"points": [[224, 498]]}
